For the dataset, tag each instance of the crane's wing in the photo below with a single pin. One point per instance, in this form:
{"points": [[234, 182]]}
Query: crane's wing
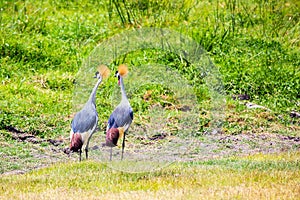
{"points": [[120, 117], [111, 123], [84, 121]]}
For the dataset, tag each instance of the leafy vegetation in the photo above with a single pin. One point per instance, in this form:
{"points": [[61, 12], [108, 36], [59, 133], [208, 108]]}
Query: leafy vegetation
{"points": [[255, 44]]}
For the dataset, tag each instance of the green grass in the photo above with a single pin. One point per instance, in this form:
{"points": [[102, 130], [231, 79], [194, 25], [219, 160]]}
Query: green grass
{"points": [[257, 176], [255, 45]]}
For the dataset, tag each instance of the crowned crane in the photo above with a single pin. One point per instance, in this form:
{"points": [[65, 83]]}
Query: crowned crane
{"points": [[121, 118], [85, 121]]}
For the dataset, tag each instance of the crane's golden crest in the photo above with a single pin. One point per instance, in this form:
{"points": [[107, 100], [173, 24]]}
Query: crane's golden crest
{"points": [[123, 70], [104, 71]]}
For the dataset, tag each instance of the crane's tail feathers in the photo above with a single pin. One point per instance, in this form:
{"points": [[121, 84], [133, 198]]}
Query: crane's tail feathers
{"points": [[104, 71], [123, 69]]}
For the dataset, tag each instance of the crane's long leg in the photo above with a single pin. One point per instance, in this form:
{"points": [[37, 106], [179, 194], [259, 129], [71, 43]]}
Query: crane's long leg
{"points": [[79, 155], [86, 153], [123, 146], [88, 141], [87, 147], [110, 157]]}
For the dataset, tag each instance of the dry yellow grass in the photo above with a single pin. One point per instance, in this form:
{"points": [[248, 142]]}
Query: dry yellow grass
{"points": [[276, 176]]}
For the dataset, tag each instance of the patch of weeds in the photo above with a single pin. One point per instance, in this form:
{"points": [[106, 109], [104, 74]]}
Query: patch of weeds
{"points": [[152, 94], [44, 144]]}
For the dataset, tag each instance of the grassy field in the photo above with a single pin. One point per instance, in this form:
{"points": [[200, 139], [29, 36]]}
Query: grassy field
{"points": [[254, 45], [257, 177]]}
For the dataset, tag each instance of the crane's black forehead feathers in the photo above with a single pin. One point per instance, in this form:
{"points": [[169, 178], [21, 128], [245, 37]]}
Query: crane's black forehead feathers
{"points": [[96, 74], [116, 74]]}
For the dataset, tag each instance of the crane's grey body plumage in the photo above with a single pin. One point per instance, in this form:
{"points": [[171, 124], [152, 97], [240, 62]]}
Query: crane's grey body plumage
{"points": [[121, 116], [87, 117], [86, 120]]}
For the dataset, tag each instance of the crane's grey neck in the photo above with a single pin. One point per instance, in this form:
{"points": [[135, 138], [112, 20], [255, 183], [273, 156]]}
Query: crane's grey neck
{"points": [[124, 97], [92, 98]]}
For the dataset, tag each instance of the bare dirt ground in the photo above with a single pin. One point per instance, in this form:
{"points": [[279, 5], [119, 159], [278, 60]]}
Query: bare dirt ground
{"points": [[208, 146]]}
